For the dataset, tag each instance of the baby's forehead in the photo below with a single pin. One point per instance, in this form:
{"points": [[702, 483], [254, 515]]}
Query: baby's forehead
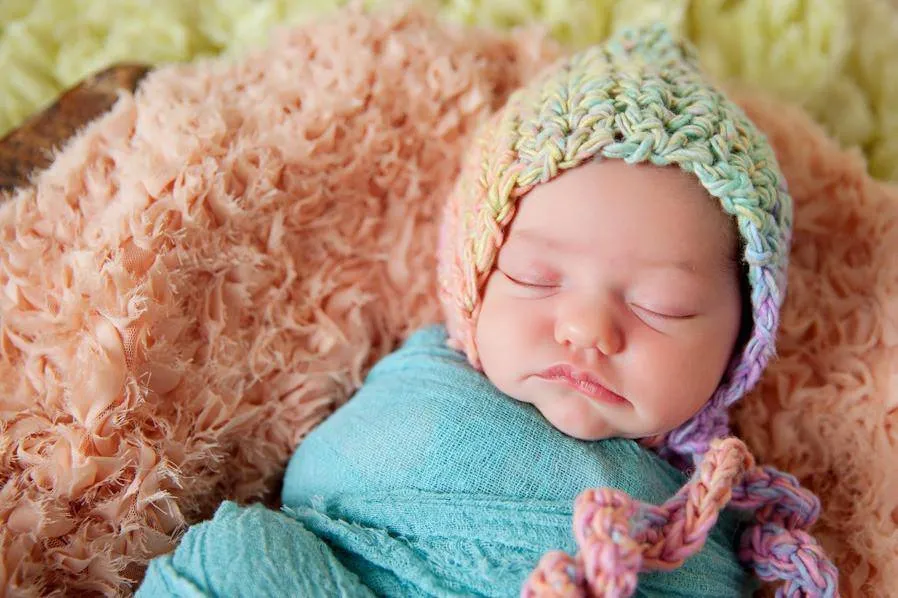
{"points": [[656, 204]]}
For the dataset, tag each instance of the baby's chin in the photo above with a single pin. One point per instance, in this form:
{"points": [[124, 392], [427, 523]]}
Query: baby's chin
{"points": [[575, 419]]}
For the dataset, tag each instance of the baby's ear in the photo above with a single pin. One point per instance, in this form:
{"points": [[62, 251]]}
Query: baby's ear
{"points": [[653, 44]]}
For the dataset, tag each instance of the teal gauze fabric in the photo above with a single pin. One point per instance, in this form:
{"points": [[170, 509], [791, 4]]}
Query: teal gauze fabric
{"points": [[430, 482]]}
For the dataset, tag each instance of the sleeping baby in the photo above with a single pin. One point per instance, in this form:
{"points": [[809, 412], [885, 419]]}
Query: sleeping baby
{"points": [[611, 266]]}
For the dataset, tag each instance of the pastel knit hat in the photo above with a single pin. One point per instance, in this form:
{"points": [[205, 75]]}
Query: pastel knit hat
{"points": [[639, 97]]}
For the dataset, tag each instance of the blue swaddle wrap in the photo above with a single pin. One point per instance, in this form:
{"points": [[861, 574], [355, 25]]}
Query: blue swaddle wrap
{"points": [[430, 482]]}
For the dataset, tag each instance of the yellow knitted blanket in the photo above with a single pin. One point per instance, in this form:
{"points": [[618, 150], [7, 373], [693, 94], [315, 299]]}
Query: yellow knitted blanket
{"points": [[835, 58]]}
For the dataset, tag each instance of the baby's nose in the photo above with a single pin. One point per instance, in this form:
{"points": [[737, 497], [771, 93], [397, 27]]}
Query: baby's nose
{"points": [[588, 323]]}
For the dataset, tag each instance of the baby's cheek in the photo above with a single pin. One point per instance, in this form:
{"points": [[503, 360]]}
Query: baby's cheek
{"points": [[660, 381], [500, 336], [533, 317], [686, 395], [514, 316]]}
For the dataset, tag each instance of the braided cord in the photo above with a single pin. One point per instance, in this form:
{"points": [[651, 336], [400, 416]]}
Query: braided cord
{"points": [[618, 537]]}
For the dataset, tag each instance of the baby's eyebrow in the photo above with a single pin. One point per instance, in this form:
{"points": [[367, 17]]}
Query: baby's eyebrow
{"points": [[532, 237], [686, 266]]}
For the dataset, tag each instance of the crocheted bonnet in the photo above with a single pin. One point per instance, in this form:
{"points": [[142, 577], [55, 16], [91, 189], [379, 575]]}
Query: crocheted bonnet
{"points": [[639, 97]]}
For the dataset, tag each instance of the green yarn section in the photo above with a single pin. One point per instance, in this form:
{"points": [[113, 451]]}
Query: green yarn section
{"points": [[836, 58]]}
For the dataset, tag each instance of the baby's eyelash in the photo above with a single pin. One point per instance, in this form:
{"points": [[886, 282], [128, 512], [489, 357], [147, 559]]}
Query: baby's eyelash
{"points": [[664, 315], [543, 284]]}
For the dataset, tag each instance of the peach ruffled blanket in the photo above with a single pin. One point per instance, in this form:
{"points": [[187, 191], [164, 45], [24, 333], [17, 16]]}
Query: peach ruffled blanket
{"points": [[208, 270]]}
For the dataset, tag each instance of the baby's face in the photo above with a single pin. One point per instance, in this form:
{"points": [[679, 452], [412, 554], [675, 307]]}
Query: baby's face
{"points": [[615, 305]]}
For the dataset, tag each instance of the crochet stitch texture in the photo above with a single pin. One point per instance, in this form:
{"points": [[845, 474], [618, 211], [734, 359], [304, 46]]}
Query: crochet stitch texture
{"points": [[641, 97]]}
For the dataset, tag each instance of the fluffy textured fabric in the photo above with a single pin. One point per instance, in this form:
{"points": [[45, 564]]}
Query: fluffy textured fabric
{"points": [[207, 271], [431, 482], [834, 57]]}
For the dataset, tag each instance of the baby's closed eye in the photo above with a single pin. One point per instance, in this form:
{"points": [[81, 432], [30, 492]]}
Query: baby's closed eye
{"points": [[532, 279], [665, 312]]}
